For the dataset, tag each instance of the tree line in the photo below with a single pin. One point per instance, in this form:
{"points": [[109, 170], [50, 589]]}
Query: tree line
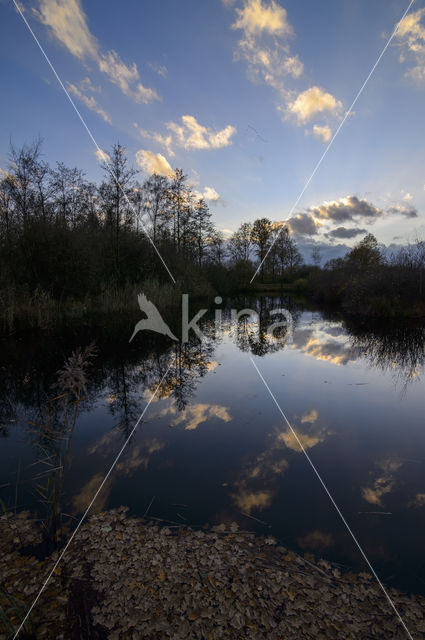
{"points": [[368, 281], [65, 235]]}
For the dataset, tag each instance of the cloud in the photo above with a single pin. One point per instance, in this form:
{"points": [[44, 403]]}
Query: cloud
{"points": [[210, 194], [303, 224], [196, 414], [68, 24], [344, 232], [404, 210], [124, 76], [326, 349], [192, 135], [310, 417], [153, 163], [165, 141], [316, 540], [384, 481], [313, 101], [411, 37], [89, 101], [346, 209], [419, 501], [246, 501], [161, 69], [306, 440], [323, 134], [264, 46], [102, 156], [255, 18]]}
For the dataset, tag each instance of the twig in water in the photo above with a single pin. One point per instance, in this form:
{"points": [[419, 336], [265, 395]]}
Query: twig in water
{"points": [[149, 506], [256, 519]]}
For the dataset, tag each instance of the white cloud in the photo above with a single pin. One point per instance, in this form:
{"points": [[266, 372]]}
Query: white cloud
{"points": [[102, 156], [255, 18], [264, 46], [323, 134], [165, 141], [89, 101], [153, 163], [211, 194], [192, 135], [312, 101], [68, 24], [161, 69], [293, 66], [411, 36]]}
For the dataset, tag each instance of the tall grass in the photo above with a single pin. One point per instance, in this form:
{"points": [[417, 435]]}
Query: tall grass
{"points": [[55, 438]]}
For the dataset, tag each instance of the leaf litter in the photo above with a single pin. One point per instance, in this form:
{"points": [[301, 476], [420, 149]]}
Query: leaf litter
{"points": [[128, 578]]}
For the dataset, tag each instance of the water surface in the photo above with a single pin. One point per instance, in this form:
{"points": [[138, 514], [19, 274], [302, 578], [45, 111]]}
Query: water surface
{"points": [[213, 447]]}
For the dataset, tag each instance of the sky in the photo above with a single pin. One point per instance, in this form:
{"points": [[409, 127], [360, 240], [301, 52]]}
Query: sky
{"points": [[244, 95]]}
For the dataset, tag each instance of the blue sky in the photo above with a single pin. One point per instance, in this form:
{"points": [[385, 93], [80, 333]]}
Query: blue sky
{"points": [[244, 95]]}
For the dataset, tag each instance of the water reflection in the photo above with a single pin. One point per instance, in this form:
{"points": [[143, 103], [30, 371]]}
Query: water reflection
{"points": [[211, 439]]}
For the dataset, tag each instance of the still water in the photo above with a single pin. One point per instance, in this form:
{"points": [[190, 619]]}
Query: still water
{"points": [[212, 446]]}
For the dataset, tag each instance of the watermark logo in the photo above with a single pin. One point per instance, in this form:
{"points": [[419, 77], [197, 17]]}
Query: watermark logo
{"points": [[155, 322]]}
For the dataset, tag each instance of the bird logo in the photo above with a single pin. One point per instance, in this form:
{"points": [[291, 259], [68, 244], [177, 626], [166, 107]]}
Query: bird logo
{"points": [[153, 322]]}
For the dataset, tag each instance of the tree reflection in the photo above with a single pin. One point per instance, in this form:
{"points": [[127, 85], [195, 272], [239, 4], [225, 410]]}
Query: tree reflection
{"points": [[252, 333], [400, 349]]}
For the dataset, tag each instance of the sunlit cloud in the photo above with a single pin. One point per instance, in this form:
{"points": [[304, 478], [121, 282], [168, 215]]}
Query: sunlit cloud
{"points": [[248, 500], [86, 493], [89, 101], [418, 502], [67, 22], [384, 481], [309, 416], [196, 414], [139, 457], [324, 134], [153, 163], [126, 77], [192, 135], [306, 440], [209, 193], [411, 37], [256, 486], [102, 156], [329, 350], [346, 209], [303, 224], [264, 47], [165, 141], [313, 101], [256, 17]]}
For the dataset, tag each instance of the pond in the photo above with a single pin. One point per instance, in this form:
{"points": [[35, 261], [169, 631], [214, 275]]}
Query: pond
{"points": [[212, 445]]}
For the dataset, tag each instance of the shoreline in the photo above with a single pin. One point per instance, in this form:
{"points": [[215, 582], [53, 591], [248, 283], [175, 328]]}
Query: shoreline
{"points": [[124, 577]]}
